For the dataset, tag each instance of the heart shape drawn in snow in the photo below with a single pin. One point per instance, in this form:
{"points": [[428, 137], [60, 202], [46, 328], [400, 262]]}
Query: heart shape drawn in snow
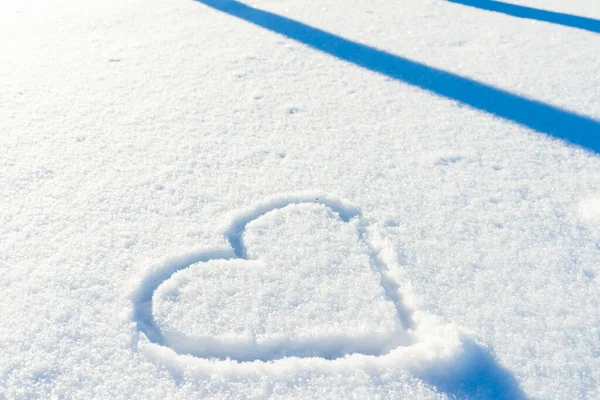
{"points": [[306, 288], [306, 284], [300, 280]]}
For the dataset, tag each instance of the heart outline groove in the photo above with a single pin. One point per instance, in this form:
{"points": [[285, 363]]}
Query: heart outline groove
{"points": [[439, 353], [142, 297]]}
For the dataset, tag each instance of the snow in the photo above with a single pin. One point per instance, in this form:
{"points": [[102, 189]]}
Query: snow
{"points": [[277, 199], [590, 210]]}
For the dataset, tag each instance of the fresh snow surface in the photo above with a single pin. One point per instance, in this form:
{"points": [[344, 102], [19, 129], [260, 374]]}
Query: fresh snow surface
{"points": [[300, 199]]}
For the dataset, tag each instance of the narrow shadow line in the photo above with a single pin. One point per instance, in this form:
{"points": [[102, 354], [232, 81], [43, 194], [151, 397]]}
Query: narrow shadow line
{"points": [[572, 21], [559, 123]]}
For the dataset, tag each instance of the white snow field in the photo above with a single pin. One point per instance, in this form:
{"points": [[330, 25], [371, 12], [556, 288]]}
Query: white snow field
{"points": [[299, 199]]}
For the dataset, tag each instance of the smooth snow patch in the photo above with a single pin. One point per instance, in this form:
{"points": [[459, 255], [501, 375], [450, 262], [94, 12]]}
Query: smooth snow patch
{"points": [[589, 209]]}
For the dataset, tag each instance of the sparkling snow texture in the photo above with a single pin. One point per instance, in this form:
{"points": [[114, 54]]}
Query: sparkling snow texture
{"points": [[309, 199]]}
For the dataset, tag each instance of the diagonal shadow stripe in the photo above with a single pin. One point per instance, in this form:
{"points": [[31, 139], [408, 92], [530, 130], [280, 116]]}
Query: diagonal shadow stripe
{"points": [[554, 121], [572, 21]]}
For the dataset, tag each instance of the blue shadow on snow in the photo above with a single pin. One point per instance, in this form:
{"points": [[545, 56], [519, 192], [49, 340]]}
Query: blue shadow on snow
{"points": [[572, 21], [559, 123], [474, 375]]}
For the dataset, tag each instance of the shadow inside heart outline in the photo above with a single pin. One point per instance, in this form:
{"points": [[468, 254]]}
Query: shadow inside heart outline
{"points": [[328, 349], [441, 355]]}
